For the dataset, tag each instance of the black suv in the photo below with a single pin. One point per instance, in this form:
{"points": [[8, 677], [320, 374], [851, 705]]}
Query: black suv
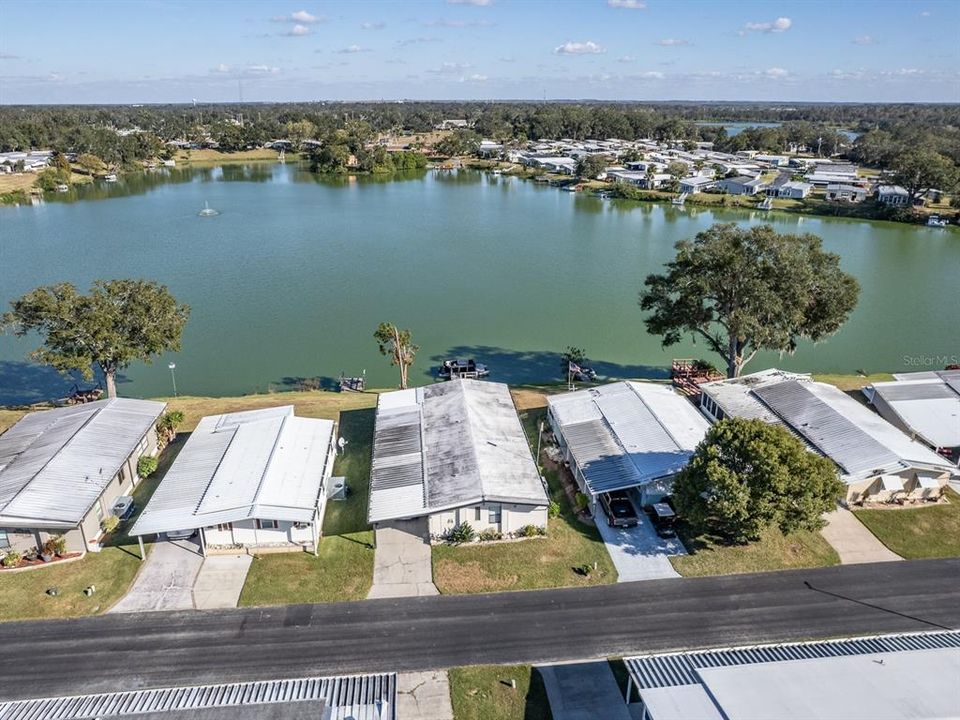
{"points": [[619, 509]]}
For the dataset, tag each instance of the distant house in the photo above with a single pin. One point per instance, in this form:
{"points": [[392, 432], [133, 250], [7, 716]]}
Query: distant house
{"points": [[893, 195], [821, 179], [742, 185], [775, 160], [794, 190], [453, 124], [631, 436], [61, 470], [876, 460], [560, 165], [696, 183], [454, 452], [248, 479], [489, 148], [839, 192]]}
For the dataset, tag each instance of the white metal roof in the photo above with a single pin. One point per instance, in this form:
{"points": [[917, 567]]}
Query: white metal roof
{"points": [[449, 445], [357, 697], [627, 433], [266, 464], [861, 442], [54, 464], [929, 407]]}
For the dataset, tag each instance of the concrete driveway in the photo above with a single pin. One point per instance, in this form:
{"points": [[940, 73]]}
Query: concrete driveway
{"points": [[220, 581], [583, 691], [852, 540], [165, 582], [638, 552], [401, 563]]}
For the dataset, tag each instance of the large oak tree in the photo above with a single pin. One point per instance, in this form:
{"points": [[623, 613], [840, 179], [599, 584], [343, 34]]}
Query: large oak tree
{"points": [[743, 290], [117, 322], [747, 476]]}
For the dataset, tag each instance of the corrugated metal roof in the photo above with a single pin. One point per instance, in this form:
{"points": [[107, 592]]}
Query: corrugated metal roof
{"points": [[626, 433], [929, 408], [676, 669], [827, 430], [951, 378], [448, 445], [266, 464], [54, 464], [358, 697]]}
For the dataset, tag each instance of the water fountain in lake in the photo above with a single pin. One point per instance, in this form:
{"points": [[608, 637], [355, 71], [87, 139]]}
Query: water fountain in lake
{"points": [[208, 211]]}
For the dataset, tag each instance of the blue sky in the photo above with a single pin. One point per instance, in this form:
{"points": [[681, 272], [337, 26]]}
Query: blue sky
{"points": [[130, 51]]}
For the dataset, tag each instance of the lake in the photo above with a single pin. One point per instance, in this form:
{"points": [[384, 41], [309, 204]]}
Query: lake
{"points": [[293, 276]]}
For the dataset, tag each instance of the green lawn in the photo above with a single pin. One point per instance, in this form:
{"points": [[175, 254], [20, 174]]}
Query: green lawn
{"points": [[484, 692], [774, 551], [529, 564], [344, 568], [918, 532]]}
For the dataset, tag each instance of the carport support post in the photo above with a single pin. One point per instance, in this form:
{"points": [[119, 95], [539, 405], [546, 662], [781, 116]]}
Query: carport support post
{"points": [[203, 543], [143, 553], [316, 536]]}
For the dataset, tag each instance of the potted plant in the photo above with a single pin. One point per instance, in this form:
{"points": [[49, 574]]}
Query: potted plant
{"points": [[47, 551], [12, 559]]}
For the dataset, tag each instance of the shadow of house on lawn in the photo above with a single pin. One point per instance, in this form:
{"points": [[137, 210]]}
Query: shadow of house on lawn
{"points": [[518, 367]]}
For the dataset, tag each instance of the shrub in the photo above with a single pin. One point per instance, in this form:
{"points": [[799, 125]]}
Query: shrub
{"points": [[167, 426], [11, 559], [584, 569], [462, 533], [553, 510], [531, 531], [146, 466], [59, 544], [582, 501], [489, 535], [109, 523]]}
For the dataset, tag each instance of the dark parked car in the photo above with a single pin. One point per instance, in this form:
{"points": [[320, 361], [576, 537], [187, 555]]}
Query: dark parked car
{"points": [[619, 509], [663, 517], [123, 507]]}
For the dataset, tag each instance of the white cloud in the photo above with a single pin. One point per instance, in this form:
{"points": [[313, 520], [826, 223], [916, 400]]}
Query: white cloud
{"points": [[776, 73], [863, 40], [672, 42], [8, 56], [838, 74], [926, 13], [476, 3], [351, 49], [651, 75], [245, 71], [417, 41], [221, 68], [378, 25], [627, 4], [781, 24], [458, 23], [450, 68], [298, 31], [262, 70], [578, 48], [300, 16], [626, 59], [475, 78]]}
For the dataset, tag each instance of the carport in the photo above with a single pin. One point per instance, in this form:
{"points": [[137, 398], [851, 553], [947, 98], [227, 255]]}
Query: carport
{"points": [[625, 436]]}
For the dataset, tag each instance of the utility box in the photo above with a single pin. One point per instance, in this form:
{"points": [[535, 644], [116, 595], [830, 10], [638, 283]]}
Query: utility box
{"points": [[337, 488]]}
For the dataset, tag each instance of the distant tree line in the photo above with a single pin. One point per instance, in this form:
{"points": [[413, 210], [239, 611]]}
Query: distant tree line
{"points": [[890, 133]]}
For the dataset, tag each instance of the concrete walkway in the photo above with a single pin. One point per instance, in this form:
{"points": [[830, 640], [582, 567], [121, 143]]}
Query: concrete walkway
{"points": [[401, 563], [852, 540], [220, 581], [638, 552], [583, 691], [424, 696], [165, 582]]}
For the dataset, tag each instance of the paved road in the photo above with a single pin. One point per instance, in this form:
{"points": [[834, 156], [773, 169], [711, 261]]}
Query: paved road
{"points": [[119, 652]]}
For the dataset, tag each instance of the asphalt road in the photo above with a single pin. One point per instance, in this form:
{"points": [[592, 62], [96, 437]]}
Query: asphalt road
{"points": [[120, 652]]}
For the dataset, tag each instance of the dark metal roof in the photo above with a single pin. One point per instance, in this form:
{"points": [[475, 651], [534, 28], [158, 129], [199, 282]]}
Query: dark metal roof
{"points": [[827, 430], [357, 697], [675, 669]]}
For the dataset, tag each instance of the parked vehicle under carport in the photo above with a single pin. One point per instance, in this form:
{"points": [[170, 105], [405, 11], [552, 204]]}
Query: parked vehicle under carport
{"points": [[619, 509]]}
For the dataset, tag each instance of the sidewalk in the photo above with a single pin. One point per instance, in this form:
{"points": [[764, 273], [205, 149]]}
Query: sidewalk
{"points": [[852, 541]]}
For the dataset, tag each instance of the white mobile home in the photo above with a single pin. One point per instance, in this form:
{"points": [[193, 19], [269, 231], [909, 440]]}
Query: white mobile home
{"points": [[696, 183], [877, 461], [893, 195], [455, 453], [254, 479], [62, 469], [626, 436]]}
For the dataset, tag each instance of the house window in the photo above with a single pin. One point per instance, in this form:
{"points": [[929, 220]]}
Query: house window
{"points": [[4, 540], [494, 516], [476, 515], [225, 527], [267, 525]]}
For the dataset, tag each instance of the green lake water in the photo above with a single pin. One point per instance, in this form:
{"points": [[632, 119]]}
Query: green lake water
{"points": [[293, 276]]}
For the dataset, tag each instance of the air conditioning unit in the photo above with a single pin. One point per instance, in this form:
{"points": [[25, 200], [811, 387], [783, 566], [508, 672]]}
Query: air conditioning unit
{"points": [[337, 488]]}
